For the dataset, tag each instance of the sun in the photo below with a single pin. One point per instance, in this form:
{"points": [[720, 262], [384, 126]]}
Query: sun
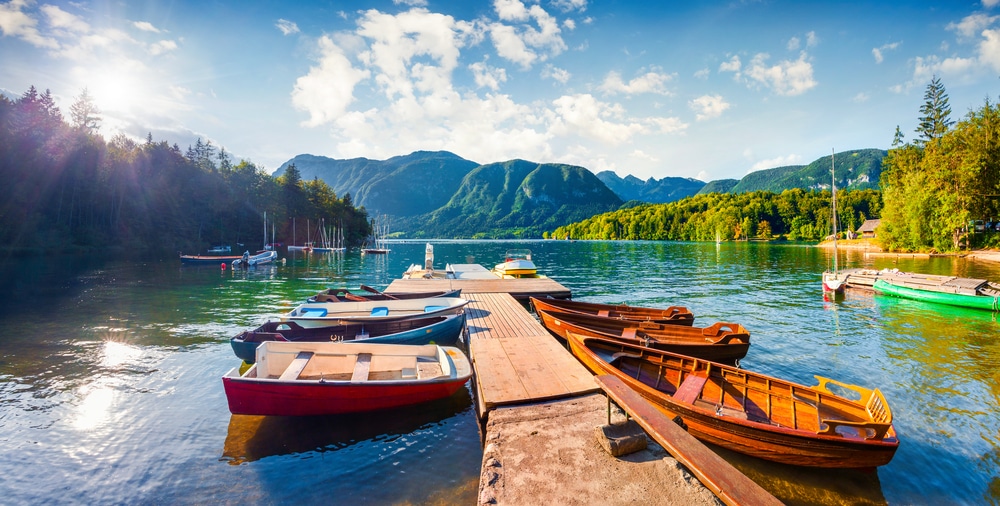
{"points": [[116, 90]]}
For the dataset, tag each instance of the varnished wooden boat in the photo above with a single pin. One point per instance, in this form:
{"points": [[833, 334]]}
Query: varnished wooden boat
{"points": [[752, 413], [308, 379], [676, 315], [721, 342]]}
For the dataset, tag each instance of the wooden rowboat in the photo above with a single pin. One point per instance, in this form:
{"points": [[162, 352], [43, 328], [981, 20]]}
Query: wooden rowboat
{"points": [[752, 413], [305, 379], [676, 315], [721, 342], [443, 330]]}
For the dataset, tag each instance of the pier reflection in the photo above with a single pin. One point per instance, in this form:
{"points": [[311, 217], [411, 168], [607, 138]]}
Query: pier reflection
{"points": [[252, 438]]}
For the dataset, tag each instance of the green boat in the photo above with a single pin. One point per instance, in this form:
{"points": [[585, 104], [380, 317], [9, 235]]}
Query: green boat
{"points": [[985, 296]]}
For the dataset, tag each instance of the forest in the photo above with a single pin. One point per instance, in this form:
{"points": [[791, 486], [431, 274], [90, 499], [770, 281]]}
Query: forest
{"points": [[71, 191], [795, 214]]}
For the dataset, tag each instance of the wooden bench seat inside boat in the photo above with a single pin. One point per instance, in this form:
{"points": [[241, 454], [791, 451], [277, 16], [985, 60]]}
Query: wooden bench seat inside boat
{"points": [[296, 366], [691, 388]]}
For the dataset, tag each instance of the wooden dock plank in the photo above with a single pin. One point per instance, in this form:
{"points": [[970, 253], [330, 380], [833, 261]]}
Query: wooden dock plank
{"points": [[515, 358], [719, 476]]}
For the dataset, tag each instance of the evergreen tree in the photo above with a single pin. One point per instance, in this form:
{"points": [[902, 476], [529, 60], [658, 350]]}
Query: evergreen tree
{"points": [[84, 113], [897, 138], [935, 113]]}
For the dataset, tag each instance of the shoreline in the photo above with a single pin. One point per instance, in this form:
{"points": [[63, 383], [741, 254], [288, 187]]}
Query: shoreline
{"points": [[873, 249]]}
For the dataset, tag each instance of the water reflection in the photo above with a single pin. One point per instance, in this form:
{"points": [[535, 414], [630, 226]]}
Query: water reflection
{"points": [[252, 438]]}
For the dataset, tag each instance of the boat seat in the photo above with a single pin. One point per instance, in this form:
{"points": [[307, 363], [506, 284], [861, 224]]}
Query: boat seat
{"points": [[314, 312], [380, 311], [362, 367], [691, 388], [602, 312], [431, 309], [296, 366], [629, 333]]}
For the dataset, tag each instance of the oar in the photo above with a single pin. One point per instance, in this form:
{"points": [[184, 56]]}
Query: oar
{"points": [[372, 290]]}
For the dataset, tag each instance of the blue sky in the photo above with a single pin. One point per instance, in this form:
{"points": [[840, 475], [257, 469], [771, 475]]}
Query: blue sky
{"points": [[707, 90]]}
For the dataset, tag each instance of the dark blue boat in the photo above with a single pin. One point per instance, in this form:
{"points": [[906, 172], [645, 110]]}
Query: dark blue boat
{"points": [[440, 330]]}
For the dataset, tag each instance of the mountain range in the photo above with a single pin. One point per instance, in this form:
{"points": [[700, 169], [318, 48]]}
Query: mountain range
{"points": [[439, 194]]}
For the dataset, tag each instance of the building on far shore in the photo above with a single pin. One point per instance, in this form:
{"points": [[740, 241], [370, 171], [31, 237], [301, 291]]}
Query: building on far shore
{"points": [[867, 229]]}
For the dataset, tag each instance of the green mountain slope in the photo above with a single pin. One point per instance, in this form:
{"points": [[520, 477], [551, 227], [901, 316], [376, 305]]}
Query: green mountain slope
{"points": [[857, 170], [652, 190]]}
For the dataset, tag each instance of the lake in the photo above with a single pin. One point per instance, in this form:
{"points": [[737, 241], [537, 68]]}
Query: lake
{"points": [[111, 391]]}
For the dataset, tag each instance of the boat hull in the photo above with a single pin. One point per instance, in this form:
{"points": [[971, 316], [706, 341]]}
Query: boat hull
{"points": [[340, 295], [325, 314], [440, 330], [952, 299], [329, 398], [675, 315], [722, 342], [208, 259], [754, 434]]}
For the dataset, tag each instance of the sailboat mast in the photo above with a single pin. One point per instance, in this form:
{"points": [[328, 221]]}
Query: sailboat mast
{"points": [[833, 188]]}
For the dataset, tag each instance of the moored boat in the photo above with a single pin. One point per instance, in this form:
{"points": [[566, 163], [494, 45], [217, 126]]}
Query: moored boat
{"points": [[752, 413], [307, 379], [260, 258], [208, 259], [517, 264], [676, 315], [369, 294], [721, 342], [832, 282], [985, 295], [443, 330], [322, 314]]}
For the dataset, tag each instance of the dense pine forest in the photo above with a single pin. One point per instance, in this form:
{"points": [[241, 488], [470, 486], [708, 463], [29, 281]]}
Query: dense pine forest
{"points": [[68, 189]]}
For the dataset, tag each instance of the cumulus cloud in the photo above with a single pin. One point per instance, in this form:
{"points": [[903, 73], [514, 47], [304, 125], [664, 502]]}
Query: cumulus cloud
{"points": [[733, 65], [486, 76], [411, 3], [162, 46], [877, 52], [570, 5], [145, 26], [556, 74], [779, 161], [708, 106], [62, 20], [287, 27], [650, 82], [15, 23], [788, 78], [328, 89], [972, 25], [532, 34]]}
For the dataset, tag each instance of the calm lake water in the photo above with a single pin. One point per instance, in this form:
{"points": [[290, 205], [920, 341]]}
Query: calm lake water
{"points": [[110, 388]]}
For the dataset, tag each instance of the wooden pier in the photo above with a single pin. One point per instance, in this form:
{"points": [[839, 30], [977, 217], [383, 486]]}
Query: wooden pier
{"points": [[544, 400]]}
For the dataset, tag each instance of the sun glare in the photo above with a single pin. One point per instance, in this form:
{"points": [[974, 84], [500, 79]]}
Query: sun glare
{"points": [[115, 91]]}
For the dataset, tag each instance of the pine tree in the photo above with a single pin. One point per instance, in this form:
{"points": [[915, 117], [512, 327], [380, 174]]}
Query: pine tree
{"points": [[897, 138], [84, 113], [934, 119]]}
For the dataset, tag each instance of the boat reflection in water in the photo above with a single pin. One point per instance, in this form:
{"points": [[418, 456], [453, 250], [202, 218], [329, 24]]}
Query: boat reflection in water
{"points": [[252, 438]]}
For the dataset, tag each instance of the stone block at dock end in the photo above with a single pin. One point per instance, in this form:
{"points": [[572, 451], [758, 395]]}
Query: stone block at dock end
{"points": [[621, 438]]}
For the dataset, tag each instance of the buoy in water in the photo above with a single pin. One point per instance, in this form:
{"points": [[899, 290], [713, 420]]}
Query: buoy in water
{"points": [[223, 265]]}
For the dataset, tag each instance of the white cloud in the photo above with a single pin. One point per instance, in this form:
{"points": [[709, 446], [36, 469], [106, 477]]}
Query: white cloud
{"points": [[793, 44], [62, 20], [15, 23], [668, 125], [570, 5], [811, 39], [588, 117], [708, 106], [411, 3], [788, 78], [522, 42], [878, 51], [972, 25], [990, 3], [287, 27], [162, 46], [733, 65], [145, 26], [327, 90], [555, 73], [650, 82], [486, 76], [702, 74], [780, 161], [861, 98]]}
